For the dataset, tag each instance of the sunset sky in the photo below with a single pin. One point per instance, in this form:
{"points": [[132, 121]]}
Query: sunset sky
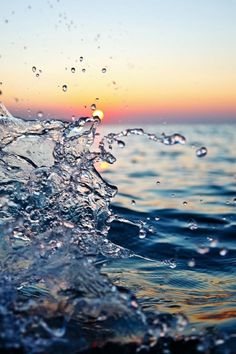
{"points": [[168, 60]]}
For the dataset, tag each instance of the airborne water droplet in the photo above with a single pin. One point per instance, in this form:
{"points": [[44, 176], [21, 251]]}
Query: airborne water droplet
{"points": [[201, 152], [64, 88], [104, 70], [185, 203], [33, 69], [203, 250], [133, 202], [83, 70], [93, 106], [40, 114], [81, 59], [72, 70], [191, 263], [223, 252], [142, 234], [120, 143]]}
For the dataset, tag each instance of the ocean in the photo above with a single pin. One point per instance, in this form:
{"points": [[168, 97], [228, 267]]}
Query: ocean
{"points": [[123, 243]]}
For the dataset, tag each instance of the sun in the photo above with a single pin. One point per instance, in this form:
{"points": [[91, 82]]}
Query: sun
{"points": [[98, 113]]}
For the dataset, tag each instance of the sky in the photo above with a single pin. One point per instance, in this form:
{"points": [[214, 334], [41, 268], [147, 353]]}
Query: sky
{"points": [[142, 61]]}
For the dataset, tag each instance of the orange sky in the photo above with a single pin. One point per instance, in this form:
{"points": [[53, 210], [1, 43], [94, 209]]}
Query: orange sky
{"points": [[163, 62]]}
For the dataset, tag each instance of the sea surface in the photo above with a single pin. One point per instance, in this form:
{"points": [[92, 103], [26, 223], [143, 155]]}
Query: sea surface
{"points": [[116, 235], [190, 205]]}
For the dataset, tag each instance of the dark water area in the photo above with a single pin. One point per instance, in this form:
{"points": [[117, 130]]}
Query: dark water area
{"points": [[85, 267]]}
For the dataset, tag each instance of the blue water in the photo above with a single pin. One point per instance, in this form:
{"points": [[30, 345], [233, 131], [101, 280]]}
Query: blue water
{"points": [[83, 267], [189, 204]]}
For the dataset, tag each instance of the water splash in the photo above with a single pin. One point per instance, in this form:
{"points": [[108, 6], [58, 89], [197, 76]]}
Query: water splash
{"points": [[54, 222]]}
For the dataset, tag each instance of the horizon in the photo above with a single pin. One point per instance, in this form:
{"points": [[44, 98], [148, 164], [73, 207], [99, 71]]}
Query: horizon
{"points": [[154, 62]]}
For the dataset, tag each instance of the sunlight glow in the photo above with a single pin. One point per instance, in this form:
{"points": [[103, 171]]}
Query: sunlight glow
{"points": [[98, 113]]}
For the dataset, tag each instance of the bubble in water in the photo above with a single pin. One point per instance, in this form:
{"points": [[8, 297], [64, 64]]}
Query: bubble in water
{"points": [[40, 114], [33, 69], [93, 106], [81, 59], [223, 252], [201, 152], [64, 88], [104, 70], [191, 263], [72, 70]]}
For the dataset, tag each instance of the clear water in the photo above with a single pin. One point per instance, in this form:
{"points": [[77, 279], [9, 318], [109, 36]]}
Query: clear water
{"points": [[82, 265]]}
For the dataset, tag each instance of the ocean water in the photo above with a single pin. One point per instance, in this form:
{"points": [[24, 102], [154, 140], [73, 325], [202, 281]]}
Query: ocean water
{"points": [[189, 204], [112, 235]]}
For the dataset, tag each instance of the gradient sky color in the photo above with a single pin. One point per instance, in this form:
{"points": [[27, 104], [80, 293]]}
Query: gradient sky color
{"points": [[165, 60]]}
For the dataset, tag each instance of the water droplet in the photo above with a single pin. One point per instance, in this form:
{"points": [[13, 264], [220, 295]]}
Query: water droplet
{"points": [[158, 182], [120, 143], [72, 70], [185, 203], [170, 262], [157, 218], [0, 92], [93, 106], [203, 250], [192, 225], [223, 252], [81, 59], [40, 114], [213, 243], [201, 152], [37, 75], [173, 139], [83, 70], [104, 70], [33, 69], [64, 88], [133, 202], [191, 263], [142, 234]]}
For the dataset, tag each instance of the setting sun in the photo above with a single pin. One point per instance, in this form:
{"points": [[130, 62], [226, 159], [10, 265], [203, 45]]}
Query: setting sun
{"points": [[98, 113]]}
